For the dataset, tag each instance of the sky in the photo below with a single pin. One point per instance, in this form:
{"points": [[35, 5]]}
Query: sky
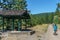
{"points": [[41, 6]]}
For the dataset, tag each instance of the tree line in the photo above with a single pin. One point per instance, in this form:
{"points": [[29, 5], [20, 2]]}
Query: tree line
{"points": [[42, 18]]}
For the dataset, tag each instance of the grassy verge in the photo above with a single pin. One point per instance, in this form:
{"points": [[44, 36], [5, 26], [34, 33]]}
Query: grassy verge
{"points": [[40, 28], [58, 26]]}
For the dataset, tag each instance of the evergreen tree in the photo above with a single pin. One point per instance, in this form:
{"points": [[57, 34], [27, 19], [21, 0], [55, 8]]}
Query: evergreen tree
{"points": [[58, 9], [13, 4]]}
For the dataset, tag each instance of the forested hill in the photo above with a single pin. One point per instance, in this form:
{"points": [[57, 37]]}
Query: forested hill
{"points": [[45, 18], [42, 18], [39, 14]]}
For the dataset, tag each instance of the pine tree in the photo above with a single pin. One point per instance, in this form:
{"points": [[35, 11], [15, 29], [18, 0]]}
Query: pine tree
{"points": [[58, 9], [13, 4]]}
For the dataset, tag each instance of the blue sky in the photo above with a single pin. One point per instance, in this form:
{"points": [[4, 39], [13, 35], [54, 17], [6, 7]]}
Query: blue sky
{"points": [[41, 6]]}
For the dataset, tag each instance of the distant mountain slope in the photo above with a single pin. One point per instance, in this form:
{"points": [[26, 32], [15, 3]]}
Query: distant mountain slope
{"points": [[40, 14], [42, 18]]}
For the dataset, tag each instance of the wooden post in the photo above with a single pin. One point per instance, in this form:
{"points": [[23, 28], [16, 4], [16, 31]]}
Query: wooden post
{"points": [[12, 24], [3, 24], [7, 23], [25, 23], [19, 25]]}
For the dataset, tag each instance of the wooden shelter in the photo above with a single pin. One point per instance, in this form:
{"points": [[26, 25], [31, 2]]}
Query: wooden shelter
{"points": [[12, 15]]}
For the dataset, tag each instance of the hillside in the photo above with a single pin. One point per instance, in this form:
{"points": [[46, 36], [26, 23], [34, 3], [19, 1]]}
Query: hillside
{"points": [[42, 18]]}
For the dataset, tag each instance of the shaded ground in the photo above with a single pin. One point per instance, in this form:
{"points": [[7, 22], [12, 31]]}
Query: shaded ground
{"points": [[49, 35]]}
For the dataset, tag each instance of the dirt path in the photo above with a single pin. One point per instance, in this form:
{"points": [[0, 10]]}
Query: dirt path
{"points": [[49, 35]]}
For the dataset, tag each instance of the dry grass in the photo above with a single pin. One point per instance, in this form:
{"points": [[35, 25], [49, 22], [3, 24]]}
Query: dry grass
{"points": [[58, 26], [40, 28]]}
